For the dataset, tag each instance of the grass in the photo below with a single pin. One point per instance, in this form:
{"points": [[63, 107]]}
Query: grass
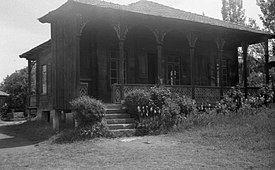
{"points": [[233, 141], [33, 131]]}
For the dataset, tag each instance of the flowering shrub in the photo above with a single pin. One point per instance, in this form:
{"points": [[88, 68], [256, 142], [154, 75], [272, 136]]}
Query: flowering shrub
{"points": [[266, 94], [231, 101], [186, 104], [136, 101], [170, 114], [234, 99], [87, 111], [158, 95], [99, 129], [157, 110]]}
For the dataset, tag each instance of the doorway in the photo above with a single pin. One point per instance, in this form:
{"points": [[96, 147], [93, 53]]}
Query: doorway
{"points": [[152, 68], [173, 70]]}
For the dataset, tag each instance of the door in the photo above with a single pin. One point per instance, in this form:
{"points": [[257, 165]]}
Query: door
{"points": [[173, 70], [152, 68]]}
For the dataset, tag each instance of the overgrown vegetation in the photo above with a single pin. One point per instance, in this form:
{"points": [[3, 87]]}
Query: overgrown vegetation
{"points": [[157, 110], [234, 99], [16, 85], [89, 114]]}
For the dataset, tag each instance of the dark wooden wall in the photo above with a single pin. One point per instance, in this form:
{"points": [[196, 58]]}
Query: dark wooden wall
{"points": [[65, 53], [44, 100]]}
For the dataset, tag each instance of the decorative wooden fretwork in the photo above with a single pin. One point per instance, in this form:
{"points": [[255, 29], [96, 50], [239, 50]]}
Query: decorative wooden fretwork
{"points": [[207, 94], [120, 91], [83, 91], [203, 95], [116, 93], [181, 90]]}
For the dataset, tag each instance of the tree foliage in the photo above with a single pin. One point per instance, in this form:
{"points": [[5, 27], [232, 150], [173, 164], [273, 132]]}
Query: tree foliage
{"points": [[16, 85], [268, 17], [232, 11]]}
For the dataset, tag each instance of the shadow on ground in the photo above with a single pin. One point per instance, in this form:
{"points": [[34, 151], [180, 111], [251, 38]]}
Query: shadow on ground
{"points": [[18, 134]]}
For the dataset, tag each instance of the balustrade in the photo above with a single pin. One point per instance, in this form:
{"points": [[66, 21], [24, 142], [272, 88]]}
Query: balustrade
{"points": [[203, 94]]}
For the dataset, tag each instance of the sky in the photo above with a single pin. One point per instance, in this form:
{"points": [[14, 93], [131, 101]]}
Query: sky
{"points": [[20, 30]]}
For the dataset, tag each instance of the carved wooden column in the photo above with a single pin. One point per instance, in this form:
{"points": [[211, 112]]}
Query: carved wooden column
{"points": [[121, 31], [192, 39], [159, 35], [121, 62], [244, 48], [29, 88], [266, 61], [160, 73], [80, 24], [220, 44]]}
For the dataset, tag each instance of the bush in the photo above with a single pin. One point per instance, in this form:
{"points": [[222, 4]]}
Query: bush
{"points": [[170, 114], [4, 111], [157, 110], [88, 132], [231, 101], [266, 94], [187, 105], [135, 101], [87, 111], [158, 95]]}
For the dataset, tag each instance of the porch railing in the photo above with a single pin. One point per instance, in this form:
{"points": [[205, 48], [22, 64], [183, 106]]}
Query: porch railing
{"points": [[202, 94], [32, 101]]}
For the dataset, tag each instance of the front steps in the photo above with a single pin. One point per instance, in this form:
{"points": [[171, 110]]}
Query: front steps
{"points": [[119, 121]]}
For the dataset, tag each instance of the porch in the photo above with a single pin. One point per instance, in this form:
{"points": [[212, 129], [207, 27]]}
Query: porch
{"points": [[201, 94]]}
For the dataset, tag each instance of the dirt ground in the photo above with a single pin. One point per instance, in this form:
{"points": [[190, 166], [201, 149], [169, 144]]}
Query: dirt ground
{"points": [[193, 149]]}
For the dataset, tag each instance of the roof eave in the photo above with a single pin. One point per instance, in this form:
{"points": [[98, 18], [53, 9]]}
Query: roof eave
{"points": [[48, 18], [31, 54]]}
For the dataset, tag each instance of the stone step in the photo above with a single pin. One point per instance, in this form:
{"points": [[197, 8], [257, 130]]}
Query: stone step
{"points": [[123, 132], [115, 111], [121, 126], [120, 121], [117, 116], [113, 106]]}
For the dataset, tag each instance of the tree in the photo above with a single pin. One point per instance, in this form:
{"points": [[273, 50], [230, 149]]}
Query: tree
{"points": [[16, 85], [268, 17], [232, 11]]}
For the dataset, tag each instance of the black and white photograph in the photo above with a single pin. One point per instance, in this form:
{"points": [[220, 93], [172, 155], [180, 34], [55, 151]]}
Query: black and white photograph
{"points": [[137, 84]]}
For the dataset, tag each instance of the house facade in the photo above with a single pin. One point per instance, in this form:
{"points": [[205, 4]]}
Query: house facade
{"points": [[105, 50]]}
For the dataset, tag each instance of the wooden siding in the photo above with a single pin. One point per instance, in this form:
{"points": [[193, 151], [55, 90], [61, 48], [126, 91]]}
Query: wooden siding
{"points": [[65, 48], [45, 100]]}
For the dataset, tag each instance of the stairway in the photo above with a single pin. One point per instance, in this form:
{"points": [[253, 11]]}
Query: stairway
{"points": [[118, 120]]}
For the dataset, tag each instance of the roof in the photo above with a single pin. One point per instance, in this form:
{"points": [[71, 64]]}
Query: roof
{"points": [[31, 54], [3, 94], [155, 9]]}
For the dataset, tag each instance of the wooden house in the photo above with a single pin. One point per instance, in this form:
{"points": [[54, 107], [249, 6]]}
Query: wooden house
{"points": [[105, 50]]}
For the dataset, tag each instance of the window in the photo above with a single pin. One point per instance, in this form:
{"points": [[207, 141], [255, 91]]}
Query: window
{"points": [[114, 67], [44, 79], [224, 69], [173, 70]]}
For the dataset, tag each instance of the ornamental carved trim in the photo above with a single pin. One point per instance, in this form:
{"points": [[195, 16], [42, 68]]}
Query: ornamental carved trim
{"points": [[82, 22], [121, 31], [159, 35], [220, 43], [192, 39]]}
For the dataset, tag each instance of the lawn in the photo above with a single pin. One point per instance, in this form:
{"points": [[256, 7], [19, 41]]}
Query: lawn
{"points": [[230, 142]]}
